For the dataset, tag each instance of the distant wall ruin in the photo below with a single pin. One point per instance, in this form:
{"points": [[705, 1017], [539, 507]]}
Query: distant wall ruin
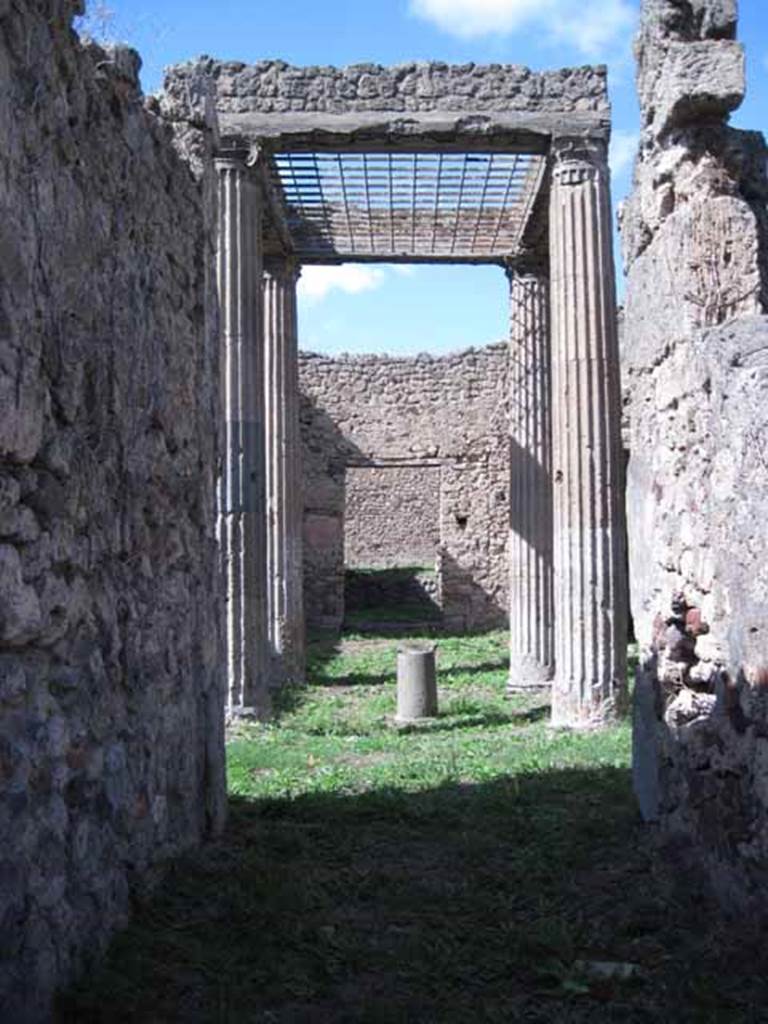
{"points": [[431, 423], [696, 372], [111, 699]]}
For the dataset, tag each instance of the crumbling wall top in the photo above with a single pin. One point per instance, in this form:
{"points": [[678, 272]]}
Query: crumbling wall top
{"points": [[689, 67], [274, 87]]}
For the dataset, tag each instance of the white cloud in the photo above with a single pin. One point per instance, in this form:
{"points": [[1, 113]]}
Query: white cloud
{"points": [[316, 282], [590, 25], [623, 148], [352, 278]]}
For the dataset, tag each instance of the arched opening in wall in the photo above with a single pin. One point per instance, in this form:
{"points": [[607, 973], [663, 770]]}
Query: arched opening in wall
{"points": [[391, 546]]}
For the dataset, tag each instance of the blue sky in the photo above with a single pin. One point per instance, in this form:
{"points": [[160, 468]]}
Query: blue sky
{"points": [[408, 310]]}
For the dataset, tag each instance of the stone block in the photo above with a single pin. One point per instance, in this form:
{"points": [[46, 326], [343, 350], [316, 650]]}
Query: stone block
{"points": [[20, 614], [697, 81]]}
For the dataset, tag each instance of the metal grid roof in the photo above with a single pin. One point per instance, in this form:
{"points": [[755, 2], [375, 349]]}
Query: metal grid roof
{"points": [[411, 206]]}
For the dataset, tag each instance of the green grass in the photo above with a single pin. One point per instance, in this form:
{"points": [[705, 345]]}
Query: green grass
{"points": [[471, 869], [339, 736]]}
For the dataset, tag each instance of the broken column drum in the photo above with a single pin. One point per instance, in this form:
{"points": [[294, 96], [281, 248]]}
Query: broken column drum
{"points": [[589, 567], [416, 683]]}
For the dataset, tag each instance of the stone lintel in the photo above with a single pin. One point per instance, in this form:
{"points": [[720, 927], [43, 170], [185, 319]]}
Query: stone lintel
{"points": [[444, 131]]}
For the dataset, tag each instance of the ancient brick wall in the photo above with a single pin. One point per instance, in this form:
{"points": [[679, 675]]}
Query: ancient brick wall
{"points": [[695, 237], [447, 415], [111, 746], [272, 86], [392, 516]]}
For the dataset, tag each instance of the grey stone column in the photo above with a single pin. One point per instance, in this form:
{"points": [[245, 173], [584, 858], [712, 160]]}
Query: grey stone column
{"points": [[242, 519], [284, 491], [531, 611], [589, 535]]}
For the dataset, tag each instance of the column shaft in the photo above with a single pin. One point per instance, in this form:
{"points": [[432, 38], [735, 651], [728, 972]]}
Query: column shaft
{"points": [[284, 504], [530, 541], [242, 526], [589, 536]]}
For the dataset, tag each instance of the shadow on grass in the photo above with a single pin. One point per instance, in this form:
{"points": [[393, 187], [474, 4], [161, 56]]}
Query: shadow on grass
{"points": [[445, 676], [460, 903], [473, 669], [453, 720], [532, 715], [324, 648]]}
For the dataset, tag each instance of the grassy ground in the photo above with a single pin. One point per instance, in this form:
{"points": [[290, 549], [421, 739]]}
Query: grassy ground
{"points": [[481, 868]]}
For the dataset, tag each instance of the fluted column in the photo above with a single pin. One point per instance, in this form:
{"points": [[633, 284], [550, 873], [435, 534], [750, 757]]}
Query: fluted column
{"points": [[283, 449], [242, 519], [530, 541], [589, 538]]}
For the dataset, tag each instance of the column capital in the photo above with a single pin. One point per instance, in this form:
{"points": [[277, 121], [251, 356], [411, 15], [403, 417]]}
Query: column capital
{"points": [[231, 160], [527, 264], [577, 160], [284, 268]]}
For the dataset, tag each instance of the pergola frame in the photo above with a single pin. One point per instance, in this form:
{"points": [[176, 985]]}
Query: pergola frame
{"points": [[529, 191]]}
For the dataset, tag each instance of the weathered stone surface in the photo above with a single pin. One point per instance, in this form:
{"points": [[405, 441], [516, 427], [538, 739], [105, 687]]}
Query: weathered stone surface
{"points": [[111, 752], [694, 81], [443, 419], [688, 20], [273, 86], [705, 264], [697, 470], [696, 377], [21, 617]]}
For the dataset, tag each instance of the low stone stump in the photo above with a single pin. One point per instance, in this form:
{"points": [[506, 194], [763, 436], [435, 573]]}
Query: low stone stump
{"points": [[416, 683]]}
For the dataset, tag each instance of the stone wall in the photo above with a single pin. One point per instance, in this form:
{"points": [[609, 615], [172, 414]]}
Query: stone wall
{"points": [[447, 415], [272, 86], [111, 703], [392, 516], [695, 237]]}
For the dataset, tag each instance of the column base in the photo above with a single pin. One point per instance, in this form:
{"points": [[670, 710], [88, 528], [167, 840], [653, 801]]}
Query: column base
{"points": [[246, 713], [571, 712], [526, 674]]}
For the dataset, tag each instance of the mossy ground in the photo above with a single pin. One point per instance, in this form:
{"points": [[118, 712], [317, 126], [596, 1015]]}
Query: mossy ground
{"points": [[474, 869]]}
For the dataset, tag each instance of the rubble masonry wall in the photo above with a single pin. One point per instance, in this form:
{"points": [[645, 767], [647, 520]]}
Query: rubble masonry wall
{"points": [[272, 87], [695, 359], [392, 516], [111, 703]]}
